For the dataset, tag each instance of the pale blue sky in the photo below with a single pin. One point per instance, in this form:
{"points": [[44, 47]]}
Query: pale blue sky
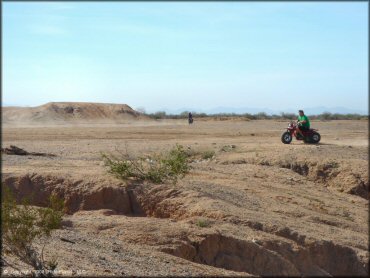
{"points": [[186, 54]]}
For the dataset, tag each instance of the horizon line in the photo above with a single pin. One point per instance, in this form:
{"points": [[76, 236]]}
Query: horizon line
{"points": [[167, 111]]}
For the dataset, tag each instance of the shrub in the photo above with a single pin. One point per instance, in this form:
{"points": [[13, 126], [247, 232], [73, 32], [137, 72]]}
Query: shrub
{"points": [[288, 116], [208, 154], [249, 116], [158, 115], [23, 224], [156, 168], [227, 148], [257, 116], [176, 161], [199, 153], [203, 223], [184, 115], [325, 116], [261, 116], [200, 115]]}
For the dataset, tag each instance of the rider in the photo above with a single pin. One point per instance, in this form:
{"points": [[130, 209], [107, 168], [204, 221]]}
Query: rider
{"points": [[190, 118], [303, 123]]}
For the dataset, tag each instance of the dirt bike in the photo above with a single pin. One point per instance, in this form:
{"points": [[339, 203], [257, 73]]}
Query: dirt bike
{"points": [[190, 120], [310, 136]]}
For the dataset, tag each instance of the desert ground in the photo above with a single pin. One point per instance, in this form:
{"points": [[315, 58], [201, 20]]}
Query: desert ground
{"points": [[256, 208]]}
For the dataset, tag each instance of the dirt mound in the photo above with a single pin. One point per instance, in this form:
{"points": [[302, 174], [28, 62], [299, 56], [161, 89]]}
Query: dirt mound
{"points": [[60, 112]]}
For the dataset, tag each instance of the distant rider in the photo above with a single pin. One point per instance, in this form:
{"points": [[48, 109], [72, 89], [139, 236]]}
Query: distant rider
{"points": [[190, 119], [303, 123]]}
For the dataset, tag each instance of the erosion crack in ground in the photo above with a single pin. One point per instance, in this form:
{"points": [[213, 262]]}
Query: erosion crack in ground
{"points": [[257, 207]]}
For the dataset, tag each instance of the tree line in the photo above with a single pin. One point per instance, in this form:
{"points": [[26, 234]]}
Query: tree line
{"points": [[257, 116]]}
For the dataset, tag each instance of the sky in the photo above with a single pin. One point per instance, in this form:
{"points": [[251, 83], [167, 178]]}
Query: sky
{"points": [[177, 55]]}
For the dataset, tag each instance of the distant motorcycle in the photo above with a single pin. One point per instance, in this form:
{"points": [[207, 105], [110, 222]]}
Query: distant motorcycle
{"points": [[311, 135], [190, 118]]}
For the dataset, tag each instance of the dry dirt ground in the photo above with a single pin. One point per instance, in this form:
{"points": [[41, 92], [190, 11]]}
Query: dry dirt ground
{"points": [[258, 207]]}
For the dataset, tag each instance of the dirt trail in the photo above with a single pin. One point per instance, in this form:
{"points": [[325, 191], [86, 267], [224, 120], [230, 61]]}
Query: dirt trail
{"points": [[259, 208]]}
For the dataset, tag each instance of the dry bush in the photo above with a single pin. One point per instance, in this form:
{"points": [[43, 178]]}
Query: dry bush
{"points": [[156, 168], [23, 225], [203, 223], [208, 154]]}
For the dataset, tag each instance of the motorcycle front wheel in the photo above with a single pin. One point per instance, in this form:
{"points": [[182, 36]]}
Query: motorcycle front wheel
{"points": [[286, 137]]}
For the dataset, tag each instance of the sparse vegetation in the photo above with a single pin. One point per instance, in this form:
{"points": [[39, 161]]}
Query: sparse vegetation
{"points": [[228, 148], [332, 164], [208, 154], [326, 116], [258, 116], [24, 225], [199, 153], [156, 168], [203, 223], [287, 116], [158, 115]]}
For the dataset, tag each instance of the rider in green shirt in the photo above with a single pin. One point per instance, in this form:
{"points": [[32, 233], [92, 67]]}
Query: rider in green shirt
{"points": [[303, 122]]}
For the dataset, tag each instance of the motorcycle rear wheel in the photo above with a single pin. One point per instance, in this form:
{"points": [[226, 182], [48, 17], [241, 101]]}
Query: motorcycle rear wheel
{"points": [[316, 137], [313, 139]]}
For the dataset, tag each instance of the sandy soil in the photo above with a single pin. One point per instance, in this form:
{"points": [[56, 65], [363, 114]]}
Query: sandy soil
{"points": [[270, 208]]}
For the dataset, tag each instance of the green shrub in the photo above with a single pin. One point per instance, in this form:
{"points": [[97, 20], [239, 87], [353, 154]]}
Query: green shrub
{"points": [[203, 223], [261, 116], [199, 153], [158, 115], [326, 116], [288, 116], [156, 168], [208, 154], [249, 116], [176, 161], [23, 224]]}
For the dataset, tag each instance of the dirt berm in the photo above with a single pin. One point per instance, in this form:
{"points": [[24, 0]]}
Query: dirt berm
{"points": [[70, 112]]}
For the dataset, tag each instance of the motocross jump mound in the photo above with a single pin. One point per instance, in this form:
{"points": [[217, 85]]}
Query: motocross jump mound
{"points": [[71, 112]]}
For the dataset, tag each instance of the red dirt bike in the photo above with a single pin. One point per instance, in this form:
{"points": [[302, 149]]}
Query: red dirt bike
{"points": [[310, 136]]}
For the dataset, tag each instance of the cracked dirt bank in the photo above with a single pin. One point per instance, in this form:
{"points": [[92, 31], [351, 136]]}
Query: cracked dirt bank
{"points": [[269, 209]]}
